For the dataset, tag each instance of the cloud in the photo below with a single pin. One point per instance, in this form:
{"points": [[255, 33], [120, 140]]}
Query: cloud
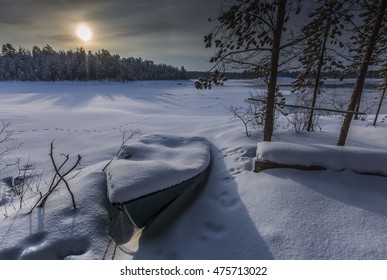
{"points": [[158, 23], [148, 16]]}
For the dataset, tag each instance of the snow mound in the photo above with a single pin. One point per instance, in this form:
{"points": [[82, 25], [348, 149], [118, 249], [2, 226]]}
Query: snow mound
{"points": [[154, 163], [58, 231], [361, 160]]}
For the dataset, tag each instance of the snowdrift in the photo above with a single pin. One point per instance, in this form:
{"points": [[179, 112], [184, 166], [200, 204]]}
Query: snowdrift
{"points": [[360, 160]]}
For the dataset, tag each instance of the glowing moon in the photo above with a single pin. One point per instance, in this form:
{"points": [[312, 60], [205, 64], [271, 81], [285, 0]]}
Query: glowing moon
{"points": [[84, 33]]}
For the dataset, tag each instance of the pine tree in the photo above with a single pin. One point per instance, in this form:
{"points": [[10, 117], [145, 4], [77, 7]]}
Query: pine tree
{"points": [[375, 22], [322, 50], [369, 10], [383, 75], [249, 37], [47, 64]]}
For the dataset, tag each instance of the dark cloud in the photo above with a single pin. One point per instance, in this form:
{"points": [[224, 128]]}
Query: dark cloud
{"points": [[150, 28]]}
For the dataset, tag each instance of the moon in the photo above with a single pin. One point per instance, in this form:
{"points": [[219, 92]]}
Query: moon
{"points": [[84, 33]]}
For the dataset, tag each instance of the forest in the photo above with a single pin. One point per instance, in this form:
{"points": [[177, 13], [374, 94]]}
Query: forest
{"points": [[47, 64]]}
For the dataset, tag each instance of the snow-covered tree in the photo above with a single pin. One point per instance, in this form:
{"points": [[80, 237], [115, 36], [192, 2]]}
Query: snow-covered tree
{"points": [[47, 64]]}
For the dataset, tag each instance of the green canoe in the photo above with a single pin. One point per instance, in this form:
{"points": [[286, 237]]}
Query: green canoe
{"points": [[143, 210]]}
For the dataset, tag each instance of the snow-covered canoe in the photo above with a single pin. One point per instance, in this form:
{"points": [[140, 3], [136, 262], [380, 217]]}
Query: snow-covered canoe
{"points": [[151, 173]]}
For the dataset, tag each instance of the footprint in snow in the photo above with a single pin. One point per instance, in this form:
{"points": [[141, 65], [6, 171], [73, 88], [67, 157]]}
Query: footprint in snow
{"points": [[228, 179], [214, 228], [56, 250], [35, 238], [235, 171], [212, 231], [226, 201]]}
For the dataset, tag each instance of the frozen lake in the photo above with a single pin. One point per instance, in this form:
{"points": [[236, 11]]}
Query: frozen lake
{"points": [[275, 214]]}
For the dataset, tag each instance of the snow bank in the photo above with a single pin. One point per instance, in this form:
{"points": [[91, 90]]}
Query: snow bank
{"points": [[58, 231], [336, 158], [154, 163]]}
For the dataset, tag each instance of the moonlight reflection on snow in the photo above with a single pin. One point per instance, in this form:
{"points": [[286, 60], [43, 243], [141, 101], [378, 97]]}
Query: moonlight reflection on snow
{"points": [[274, 214]]}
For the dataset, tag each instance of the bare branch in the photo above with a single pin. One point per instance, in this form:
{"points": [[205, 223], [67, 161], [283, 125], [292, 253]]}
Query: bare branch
{"points": [[126, 136], [55, 182], [62, 177]]}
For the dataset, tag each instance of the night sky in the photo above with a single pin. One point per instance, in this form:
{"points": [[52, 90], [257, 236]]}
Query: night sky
{"points": [[165, 31]]}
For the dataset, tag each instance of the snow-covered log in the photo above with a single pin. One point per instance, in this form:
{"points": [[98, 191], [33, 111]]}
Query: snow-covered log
{"points": [[320, 157]]}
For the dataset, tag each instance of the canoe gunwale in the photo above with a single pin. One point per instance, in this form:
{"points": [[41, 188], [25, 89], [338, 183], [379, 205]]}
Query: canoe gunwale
{"points": [[186, 185]]}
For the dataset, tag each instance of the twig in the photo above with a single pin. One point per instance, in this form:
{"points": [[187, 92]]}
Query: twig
{"points": [[55, 181], [60, 167], [62, 177], [125, 139]]}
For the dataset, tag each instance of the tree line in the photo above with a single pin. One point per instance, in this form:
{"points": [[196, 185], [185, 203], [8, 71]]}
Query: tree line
{"points": [[316, 38], [47, 64]]}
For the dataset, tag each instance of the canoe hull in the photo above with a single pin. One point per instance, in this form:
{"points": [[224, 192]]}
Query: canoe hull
{"points": [[144, 210]]}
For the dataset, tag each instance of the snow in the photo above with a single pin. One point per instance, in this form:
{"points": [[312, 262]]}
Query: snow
{"points": [[57, 231], [279, 213], [361, 160], [154, 163]]}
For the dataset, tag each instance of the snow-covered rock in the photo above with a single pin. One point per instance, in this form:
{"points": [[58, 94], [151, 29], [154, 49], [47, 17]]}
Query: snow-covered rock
{"points": [[154, 163]]}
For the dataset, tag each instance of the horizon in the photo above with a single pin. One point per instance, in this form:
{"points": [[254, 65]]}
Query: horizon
{"points": [[167, 31]]}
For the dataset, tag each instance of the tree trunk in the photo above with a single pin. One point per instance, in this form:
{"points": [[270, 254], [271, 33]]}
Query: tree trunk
{"points": [[272, 85], [358, 107], [316, 90], [362, 74], [379, 106]]}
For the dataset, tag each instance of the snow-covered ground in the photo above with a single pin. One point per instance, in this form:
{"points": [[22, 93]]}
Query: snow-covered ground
{"points": [[274, 214]]}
